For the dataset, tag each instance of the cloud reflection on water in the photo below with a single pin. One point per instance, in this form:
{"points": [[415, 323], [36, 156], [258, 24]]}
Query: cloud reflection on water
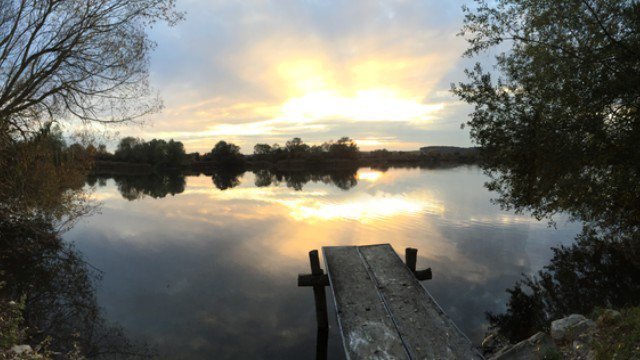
{"points": [[209, 271]]}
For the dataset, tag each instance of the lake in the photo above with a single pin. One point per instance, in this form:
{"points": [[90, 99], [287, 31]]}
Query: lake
{"points": [[211, 273]]}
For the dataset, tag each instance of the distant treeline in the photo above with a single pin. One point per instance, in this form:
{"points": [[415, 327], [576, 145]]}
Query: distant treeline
{"points": [[136, 155], [156, 153], [158, 185]]}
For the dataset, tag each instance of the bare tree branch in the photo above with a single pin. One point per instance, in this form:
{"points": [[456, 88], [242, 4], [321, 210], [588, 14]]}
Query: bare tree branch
{"points": [[69, 58]]}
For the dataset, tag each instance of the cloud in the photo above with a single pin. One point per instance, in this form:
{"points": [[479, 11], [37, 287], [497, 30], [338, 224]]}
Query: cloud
{"points": [[255, 70]]}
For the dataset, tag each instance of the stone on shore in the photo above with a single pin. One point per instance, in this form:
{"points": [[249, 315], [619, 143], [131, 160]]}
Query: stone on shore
{"points": [[570, 328], [536, 347], [21, 349]]}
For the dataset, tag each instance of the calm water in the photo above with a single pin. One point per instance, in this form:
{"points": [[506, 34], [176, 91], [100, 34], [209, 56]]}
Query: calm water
{"points": [[212, 273]]}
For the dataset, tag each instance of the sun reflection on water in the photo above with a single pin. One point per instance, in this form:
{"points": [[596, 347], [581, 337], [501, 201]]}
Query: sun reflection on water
{"points": [[362, 209], [369, 175]]}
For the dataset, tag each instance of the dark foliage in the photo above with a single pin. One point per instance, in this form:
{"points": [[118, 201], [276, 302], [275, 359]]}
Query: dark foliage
{"points": [[224, 179], [225, 154], [597, 271], [159, 153], [58, 289], [343, 179], [155, 185], [559, 128], [295, 149]]}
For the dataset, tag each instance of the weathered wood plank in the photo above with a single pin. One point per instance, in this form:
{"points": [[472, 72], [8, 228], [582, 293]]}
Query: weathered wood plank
{"points": [[368, 331], [425, 329]]}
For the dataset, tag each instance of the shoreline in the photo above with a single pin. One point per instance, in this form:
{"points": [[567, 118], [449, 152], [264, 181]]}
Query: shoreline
{"points": [[256, 162]]}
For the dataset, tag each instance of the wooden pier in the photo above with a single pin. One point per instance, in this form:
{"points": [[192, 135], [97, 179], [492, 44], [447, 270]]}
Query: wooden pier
{"points": [[383, 311]]}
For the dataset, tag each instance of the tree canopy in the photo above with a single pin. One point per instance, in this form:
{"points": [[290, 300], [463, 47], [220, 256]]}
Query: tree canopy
{"points": [[296, 148], [557, 120], [558, 124], [156, 152], [225, 153], [61, 59]]}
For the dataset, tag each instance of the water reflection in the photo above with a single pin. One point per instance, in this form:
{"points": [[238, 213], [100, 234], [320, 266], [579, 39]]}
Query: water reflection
{"points": [[226, 179], [599, 270], [344, 179], [211, 271], [47, 289], [159, 185], [57, 288], [134, 187]]}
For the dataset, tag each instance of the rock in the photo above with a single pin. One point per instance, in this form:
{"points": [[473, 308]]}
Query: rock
{"points": [[488, 344], [581, 349], [568, 329], [20, 349], [492, 343], [609, 316], [536, 347]]}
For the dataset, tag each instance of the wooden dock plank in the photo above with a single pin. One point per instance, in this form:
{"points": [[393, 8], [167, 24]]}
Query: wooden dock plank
{"points": [[425, 329], [368, 331]]}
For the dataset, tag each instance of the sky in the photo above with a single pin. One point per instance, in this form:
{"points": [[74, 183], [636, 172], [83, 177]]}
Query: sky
{"points": [[257, 71]]}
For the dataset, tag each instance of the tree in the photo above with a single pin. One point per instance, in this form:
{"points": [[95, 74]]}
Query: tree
{"points": [[126, 148], [224, 149], [296, 147], [226, 153], [41, 175], [176, 156], [160, 153], [559, 128], [558, 124], [344, 148], [64, 58], [262, 149]]}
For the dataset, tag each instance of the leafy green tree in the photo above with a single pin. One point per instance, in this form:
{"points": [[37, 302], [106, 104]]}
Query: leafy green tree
{"points": [[558, 121]]}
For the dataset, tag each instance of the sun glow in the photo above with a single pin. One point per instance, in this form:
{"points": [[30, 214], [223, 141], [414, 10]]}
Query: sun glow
{"points": [[380, 104], [361, 210], [365, 90], [307, 92], [312, 206], [369, 175]]}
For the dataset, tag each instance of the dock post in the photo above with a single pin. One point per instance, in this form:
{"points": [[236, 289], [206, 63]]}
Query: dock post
{"points": [[411, 258], [318, 292], [322, 344]]}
